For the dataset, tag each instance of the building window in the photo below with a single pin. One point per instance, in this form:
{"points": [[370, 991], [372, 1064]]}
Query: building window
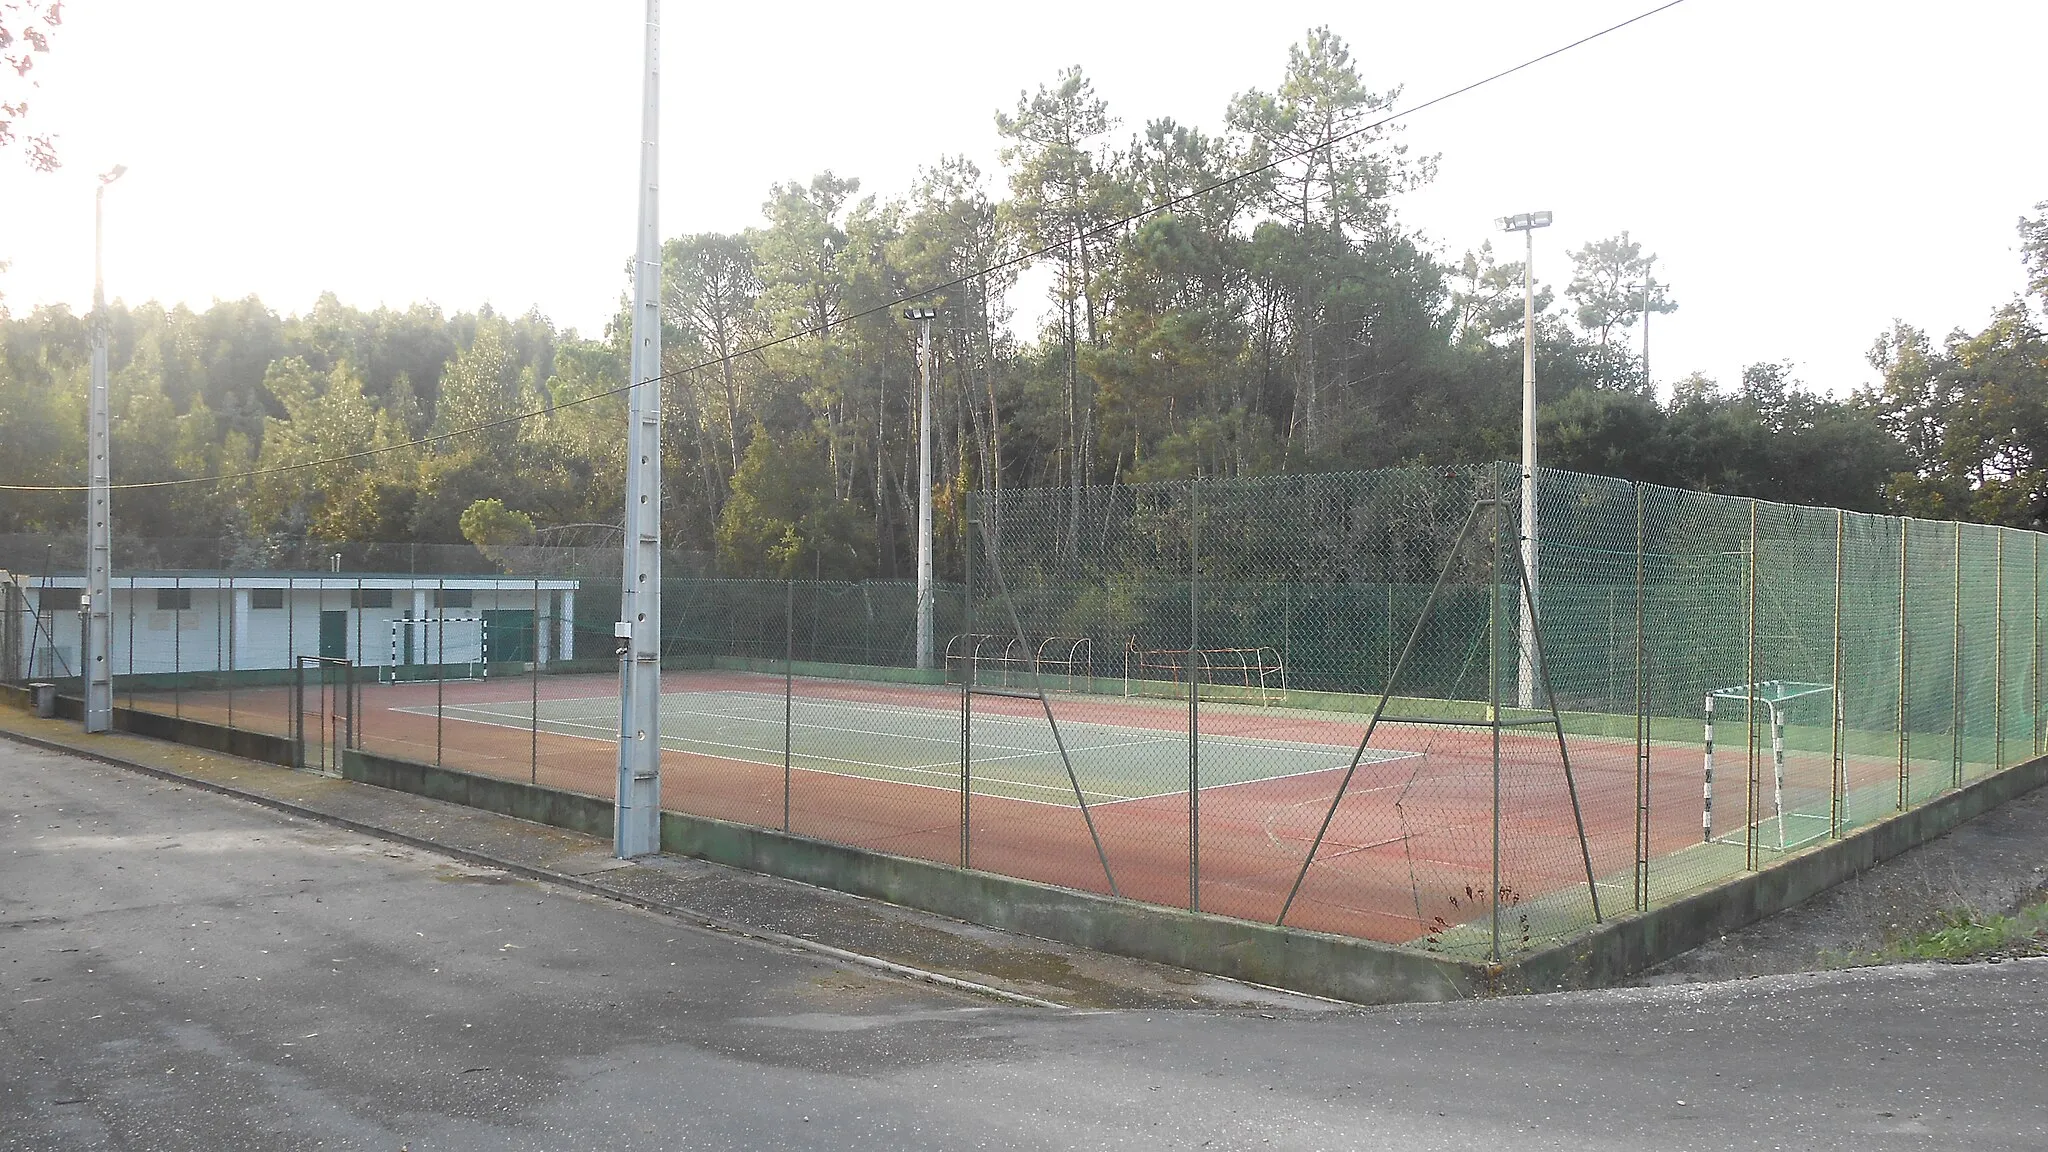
{"points": [[456, 598], [266, 597], [370, 598], [174, 599]]}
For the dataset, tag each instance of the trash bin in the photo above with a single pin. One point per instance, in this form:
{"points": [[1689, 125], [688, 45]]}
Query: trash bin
{"points": [[44, 696]]}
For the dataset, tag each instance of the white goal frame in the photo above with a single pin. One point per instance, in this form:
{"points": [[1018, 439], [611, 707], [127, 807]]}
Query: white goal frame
{"points": [[433, 644], [1773, 696]]}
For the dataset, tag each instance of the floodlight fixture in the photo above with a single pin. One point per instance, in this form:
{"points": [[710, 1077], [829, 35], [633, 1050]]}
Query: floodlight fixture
{"points": [[920, 313], [1523, 221], [118, 171]]}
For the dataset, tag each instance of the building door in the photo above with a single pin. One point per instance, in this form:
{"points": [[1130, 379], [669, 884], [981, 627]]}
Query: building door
{"points": [[511, 634], [334, 635]]}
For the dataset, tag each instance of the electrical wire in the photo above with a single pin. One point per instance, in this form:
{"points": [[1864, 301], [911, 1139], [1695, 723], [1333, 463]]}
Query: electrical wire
{"points": [[821, 329]]}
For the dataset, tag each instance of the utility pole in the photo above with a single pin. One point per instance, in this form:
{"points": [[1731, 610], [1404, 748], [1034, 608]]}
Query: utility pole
{"points": [[1526, 223], [1649, 287], [924, 316], [636, 828], [98, 616]]}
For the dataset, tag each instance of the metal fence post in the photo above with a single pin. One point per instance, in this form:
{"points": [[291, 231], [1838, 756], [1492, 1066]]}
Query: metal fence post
{"points": [[131, 640], [1493, 672], [788, 691], [1749, 851], [967, 685], [533, 711], [1642, 723], [177, 645], [1998, 660], [1838, 795], [1905, 697], [233, 637], [1955, 668], [1194, 696], [440, 660], [220, 659]]}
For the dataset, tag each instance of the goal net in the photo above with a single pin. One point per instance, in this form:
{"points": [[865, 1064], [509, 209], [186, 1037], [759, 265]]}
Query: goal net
{"points": [[1794, 794], [440, 648]]}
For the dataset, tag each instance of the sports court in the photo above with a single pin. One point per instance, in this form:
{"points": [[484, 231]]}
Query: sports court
{"points": [[1016, 757]]}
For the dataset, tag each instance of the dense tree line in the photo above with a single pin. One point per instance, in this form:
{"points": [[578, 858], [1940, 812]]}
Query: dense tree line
{"points": [[1283, 322]]}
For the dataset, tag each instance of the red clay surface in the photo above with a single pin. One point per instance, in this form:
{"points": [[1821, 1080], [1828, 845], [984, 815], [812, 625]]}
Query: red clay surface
{"points": [[1411, 842]]}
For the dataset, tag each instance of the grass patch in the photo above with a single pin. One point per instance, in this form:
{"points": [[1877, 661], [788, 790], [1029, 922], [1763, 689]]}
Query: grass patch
{"points": [[1963, 934]]}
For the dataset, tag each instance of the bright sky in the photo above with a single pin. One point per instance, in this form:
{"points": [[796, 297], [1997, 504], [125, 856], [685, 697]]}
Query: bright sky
{"points": [[1806, 171]]}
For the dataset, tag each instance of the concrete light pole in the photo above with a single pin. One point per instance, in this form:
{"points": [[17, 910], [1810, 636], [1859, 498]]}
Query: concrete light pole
{"points": [[98, 615], [924, 317], [1527, 223], [636, 826], [1649, 290]]}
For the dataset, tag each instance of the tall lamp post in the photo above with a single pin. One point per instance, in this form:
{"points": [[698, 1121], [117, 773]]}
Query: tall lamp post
{"points": [[924, 317], [98, 615], [636, 818], [1526, 223], [1648, 288]]}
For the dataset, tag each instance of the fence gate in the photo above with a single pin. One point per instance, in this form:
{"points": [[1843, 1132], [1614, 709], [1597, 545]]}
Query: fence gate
{"points": [[324, 706]]}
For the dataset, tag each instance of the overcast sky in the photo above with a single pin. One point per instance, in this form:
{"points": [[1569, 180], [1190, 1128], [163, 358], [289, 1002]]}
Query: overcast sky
{"points": [[1806, 171]]}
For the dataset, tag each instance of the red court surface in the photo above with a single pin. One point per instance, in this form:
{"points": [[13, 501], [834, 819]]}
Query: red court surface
{"points": [[1409, 850]]}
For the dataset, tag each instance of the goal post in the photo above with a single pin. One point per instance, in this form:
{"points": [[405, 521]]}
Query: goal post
{"points": [[440, 648], [1774, 698], [1256, 674]]}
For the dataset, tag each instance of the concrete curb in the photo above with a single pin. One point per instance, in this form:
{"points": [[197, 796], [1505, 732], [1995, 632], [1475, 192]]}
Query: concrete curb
{"points": [[701, 920]]}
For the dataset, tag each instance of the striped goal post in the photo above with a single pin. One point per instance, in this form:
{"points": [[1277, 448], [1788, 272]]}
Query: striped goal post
{"points": [[469, 647], [1774, 696]]}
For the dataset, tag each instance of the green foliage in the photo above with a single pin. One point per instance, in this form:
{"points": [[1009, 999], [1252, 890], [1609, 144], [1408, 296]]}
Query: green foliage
{"points": [[1289, 322], [488, 522], [1965, 934], [784, 520], [1972, 415]]}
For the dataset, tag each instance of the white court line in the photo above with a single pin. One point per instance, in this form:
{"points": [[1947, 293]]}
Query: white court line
{"points": [[1388, 756], [680, 744], [1102, 798], [995, 718]]}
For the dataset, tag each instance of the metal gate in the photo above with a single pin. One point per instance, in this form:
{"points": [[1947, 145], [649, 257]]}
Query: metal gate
{"points": [[325, 700]]}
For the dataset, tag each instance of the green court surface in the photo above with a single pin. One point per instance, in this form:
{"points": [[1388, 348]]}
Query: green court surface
{"points": [[1013, 756]]}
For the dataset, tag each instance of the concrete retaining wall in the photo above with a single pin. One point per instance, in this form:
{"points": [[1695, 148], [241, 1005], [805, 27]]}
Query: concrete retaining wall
{"points": [[551, 806], [1624, 947], [1326, 965], [1335, 966]]}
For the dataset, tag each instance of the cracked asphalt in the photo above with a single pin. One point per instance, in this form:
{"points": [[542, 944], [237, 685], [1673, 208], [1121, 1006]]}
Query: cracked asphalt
{"points": [[181, 969]]}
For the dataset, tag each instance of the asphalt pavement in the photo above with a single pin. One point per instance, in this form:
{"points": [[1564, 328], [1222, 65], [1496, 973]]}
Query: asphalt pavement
{"points": [[184, 970]]}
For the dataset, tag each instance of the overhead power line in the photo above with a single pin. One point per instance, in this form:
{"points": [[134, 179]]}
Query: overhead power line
{"points": [[889, 306]]}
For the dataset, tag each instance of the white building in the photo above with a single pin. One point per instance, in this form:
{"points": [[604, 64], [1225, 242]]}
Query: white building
{"points": [[215, 622]]}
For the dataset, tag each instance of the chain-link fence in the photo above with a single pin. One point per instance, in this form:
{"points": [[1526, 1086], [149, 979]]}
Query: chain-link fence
{"points": [[1329, 701]]}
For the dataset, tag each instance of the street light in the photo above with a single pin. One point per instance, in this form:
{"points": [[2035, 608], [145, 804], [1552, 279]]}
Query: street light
{"points": [[98, 616], [924, 318], [1527, 223], [1648, 288]]}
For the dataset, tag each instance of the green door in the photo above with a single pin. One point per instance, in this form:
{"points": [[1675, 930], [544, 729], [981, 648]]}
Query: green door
{"points": [[511, 634], [334, 635]]}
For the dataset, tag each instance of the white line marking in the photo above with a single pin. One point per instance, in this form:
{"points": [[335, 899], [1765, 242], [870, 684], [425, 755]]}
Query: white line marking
{"points": [[683, 744], [754, 753]]}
